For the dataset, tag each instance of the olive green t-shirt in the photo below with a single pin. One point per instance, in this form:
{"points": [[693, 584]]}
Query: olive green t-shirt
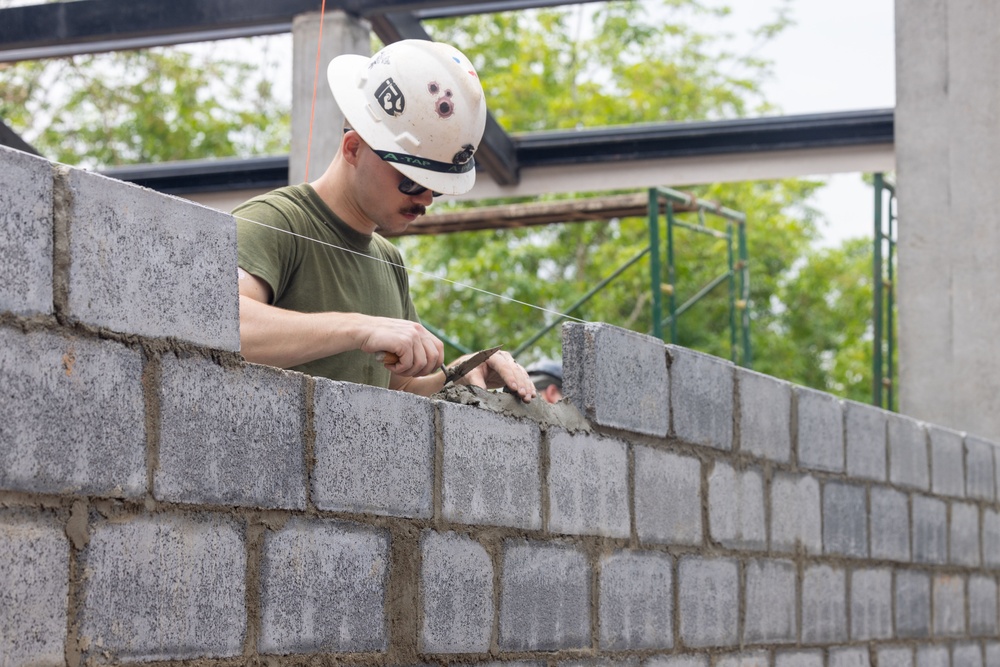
{"points": [[321, 266]]}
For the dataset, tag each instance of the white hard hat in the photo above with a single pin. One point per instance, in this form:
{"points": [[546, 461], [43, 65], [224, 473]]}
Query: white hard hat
{"points": [[419, 105]]}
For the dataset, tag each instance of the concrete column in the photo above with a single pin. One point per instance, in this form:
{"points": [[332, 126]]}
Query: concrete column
{"points": [[948, 158], [341, 34]]}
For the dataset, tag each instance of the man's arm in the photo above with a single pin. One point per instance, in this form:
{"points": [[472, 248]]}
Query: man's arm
{"points": [[286, 338]]}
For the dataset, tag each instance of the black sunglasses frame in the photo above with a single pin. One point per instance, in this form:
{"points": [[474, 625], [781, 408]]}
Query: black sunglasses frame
{"points": [[410, 187]]}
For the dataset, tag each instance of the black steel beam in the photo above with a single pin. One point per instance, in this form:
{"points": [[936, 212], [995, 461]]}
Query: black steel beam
{"points": [[12, 139], [608, 145]]}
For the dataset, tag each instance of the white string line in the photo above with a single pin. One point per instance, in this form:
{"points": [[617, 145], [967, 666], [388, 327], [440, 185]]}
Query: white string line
{"points": [[416, 271]]}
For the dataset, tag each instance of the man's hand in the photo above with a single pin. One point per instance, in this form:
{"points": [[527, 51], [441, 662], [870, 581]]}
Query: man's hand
{"points": [[411, 350], [500, 370]]}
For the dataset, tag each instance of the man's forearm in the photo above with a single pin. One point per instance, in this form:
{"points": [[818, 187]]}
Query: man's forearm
{"points": [[286, 338]]}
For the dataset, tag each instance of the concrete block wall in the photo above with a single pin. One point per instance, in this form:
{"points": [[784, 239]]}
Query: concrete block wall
{"points": [[162, 501]]}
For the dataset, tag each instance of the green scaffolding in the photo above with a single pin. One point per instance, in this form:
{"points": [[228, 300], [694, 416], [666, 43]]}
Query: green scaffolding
{"points": [[883, 288]]}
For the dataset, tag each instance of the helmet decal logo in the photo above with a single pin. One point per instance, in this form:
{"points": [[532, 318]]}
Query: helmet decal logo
{"points": [[390, 98], [464, 155], [444, 106]]}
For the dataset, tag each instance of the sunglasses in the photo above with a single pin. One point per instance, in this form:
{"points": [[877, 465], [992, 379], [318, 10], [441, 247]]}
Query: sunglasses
{"points": [[410, 187]]}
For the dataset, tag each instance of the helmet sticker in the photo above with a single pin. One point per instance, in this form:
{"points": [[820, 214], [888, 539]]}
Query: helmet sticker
{"points": [[390, 98], [444, 105], [464, 155]]}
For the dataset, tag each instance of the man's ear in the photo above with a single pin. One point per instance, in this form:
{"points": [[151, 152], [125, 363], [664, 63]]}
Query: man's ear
{"points": [[351, 145]]}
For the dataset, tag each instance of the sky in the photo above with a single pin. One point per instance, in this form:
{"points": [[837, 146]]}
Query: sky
{"points": [[838, 56]]}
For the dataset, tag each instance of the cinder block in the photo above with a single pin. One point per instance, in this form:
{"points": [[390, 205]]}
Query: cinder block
{"points": [[457, 592], [913, 604], [894, 656], [595, 359], [695, 660], [168, 587], [34, 588], [490, 468], [992, 652], [744, 659], [323, 588], [849, 657], [845, 520], [701, 393], [73, 418], [765, 416], [795, 513], [871, 604], [991, 538], [864, 436], [770, 602], [230, 436], [980, 481], [930, 530], [544, 598], [150, 264], [947, 469], [967, 654], [588, 485], [964, 535], [933, 656], [636, 601], [667, 497], [983, 606], [813, 658], [736, 507], [374, 451], [949, 605], [907, 452], [25, 233], [821, 430], [824, 605], [890, 525], [709, 601]]}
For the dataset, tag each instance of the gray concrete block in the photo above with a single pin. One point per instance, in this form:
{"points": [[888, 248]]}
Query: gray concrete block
{"points": [[853, 656], [890, 525], [169, 587], [150, 264], [374, 451], [824, 605], [588, 485], [595, 359], [544, 598], [894, 656], [636, 601], [947, 461], [864, 440], [820, 435], [708, 601], [25, 233], [701, 395], [964, 535], [949, 605], [908, 464], [992, 654], [991, 538], [913, 604], [456, 584], [967, 654], [667, 497], [983, 606], [930, 530], [770, 602], [691, 660], [230, 436], [490, 468], [980, 480], [795, 513], [736, 507], [812, 658], [323, 588], [845, 520], [744, 659], [933, 656], [871, 604], [34, 588], [765, 416], [73, 418]]}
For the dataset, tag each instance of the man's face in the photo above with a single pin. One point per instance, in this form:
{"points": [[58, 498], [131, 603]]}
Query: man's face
{"points": [[391, 210]]}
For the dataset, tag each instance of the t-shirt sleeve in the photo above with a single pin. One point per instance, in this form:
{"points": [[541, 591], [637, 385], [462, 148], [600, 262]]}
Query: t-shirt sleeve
{"points": [[264, 248]]}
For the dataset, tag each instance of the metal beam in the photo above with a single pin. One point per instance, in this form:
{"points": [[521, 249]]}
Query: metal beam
{"points": [[12, 139]]}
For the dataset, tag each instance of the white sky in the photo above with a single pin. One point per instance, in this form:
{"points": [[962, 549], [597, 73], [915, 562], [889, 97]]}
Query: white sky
{"points": [[838, 56]]}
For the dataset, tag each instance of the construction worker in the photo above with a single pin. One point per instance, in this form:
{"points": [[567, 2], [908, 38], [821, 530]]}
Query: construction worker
{"points": [[547, 377], [320, 290]]}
